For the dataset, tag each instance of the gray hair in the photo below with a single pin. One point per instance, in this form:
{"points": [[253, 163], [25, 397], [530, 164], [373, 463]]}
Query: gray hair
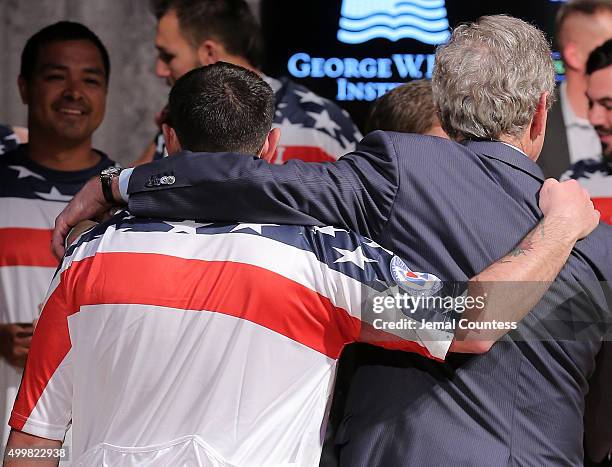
{"points": [[488, 79]]}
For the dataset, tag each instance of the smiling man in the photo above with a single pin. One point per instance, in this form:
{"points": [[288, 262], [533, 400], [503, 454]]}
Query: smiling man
{"points": [[63, 81], [194, 33], [593, 174], [599, 93]]}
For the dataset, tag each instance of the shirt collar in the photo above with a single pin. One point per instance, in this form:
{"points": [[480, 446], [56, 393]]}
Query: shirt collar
{"points": [[515, 148], [569, 117], [506, 153]]}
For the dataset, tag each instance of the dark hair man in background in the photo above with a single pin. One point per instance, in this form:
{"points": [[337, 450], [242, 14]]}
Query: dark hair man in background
{"points": [[408, 108], [63, 81], [232, 331], [596, 174], [581, 26], [193, 33]]}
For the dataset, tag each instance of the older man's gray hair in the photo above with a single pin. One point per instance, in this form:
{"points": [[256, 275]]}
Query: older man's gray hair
{"points": [[489, 77]]}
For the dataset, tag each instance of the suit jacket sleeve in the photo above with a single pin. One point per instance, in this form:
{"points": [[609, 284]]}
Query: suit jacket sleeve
{"points": [[357, 191]]}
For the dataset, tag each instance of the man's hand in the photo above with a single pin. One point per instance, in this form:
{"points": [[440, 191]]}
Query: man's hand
{"points": [[516, 283], [15, 340], [570, 204], [89, 203]]}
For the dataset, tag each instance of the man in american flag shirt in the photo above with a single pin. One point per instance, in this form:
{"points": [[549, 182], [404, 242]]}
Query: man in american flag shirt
{"points": [[593, 174], [191, 343], [193, 33], [63, 81]]}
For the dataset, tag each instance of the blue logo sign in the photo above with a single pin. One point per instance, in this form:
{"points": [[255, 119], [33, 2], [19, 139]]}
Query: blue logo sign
{"points": [[423, 20], [415, 283]]}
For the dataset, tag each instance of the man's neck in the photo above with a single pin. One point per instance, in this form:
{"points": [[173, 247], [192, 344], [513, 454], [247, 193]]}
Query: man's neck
{"points": [[518, 144], [241, 61], [62, 155], [575, 90]]}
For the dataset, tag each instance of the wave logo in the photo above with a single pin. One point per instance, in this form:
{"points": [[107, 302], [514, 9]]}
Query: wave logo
{"points": [[423, 20]]}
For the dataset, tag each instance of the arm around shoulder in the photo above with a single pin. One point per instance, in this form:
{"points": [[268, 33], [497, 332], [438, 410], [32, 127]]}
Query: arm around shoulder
{"points": [[513, 285], [357, 191]]}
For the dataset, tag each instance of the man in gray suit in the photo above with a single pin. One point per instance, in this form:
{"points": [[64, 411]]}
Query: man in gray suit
{"points": [[451, 209]]}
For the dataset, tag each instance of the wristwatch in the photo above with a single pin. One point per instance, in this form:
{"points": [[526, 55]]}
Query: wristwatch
{"points": [[106, 179]]}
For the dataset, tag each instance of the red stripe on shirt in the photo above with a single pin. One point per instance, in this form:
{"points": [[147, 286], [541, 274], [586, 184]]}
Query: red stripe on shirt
{"points": [[604, 206], [240, 290], [236, 289], [26, 247], [50, 344], [304, 153]]}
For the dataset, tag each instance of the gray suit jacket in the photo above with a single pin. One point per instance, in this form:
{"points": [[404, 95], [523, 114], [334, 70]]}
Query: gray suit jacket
{"points": [[452, 210]]}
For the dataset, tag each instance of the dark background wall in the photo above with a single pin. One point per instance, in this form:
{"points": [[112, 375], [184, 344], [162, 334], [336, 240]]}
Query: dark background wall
{"points": [[315, 34], [127, 28]]}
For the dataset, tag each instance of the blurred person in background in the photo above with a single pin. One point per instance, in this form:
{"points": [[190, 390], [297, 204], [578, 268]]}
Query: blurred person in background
{"points": [[596, 174], [408, 108], [63, 81], [194, 33], [581, 26]]}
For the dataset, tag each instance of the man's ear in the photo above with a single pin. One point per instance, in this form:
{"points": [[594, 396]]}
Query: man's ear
{"points": [[538, 124], [172, 143], [23, 89], [573, 57], [269, 147], [209, 52]]}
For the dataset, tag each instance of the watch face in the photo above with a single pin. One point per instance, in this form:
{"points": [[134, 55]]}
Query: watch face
{"points": [[111, 171]]}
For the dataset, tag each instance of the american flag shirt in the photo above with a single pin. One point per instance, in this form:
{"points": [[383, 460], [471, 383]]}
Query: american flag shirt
{"points": [[31, 197], [186, 343], [596, 177], [313, 129]]}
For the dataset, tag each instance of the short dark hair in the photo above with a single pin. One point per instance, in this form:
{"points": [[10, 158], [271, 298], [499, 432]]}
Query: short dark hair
{"points": [[221, 108], [583, 7], [408, 108], [600, 58], [59, 32], [229, 21]]}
